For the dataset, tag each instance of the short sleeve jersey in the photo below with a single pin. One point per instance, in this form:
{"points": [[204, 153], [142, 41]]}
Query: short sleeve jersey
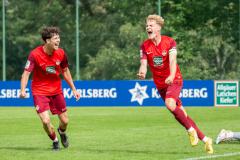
{"points": [[46, 70], [158, 59]]}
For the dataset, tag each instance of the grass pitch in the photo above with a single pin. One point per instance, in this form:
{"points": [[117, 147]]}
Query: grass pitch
{"points": [[128, 133]]}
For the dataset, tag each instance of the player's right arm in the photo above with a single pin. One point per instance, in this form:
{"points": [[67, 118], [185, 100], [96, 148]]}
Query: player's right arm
{"points": [[143, 64], [26, 73], [24, 81], [142, 69]]}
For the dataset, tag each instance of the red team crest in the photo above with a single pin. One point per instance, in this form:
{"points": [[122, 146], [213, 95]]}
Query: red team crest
{"points": [[164, 53], [58, 62]]}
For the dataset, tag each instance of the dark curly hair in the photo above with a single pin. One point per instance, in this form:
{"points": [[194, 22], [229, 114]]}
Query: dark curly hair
{"points": [[49, 32]]}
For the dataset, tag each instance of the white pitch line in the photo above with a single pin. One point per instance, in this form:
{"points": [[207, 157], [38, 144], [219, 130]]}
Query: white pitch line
{"points": [[214, 156]]}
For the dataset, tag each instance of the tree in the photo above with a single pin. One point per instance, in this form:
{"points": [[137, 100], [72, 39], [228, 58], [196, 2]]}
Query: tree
{"points": [[207, 34], [24, 22]]}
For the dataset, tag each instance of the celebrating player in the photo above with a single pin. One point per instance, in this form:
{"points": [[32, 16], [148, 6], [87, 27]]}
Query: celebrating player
{"points": [[47, 62], [160, 53]]}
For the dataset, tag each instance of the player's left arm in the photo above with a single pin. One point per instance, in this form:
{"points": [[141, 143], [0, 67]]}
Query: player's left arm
{"points": [[68, 78], [172, 65]]}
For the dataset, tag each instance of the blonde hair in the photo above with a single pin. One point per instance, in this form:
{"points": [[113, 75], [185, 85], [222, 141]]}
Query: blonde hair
{"points": [[159, 20]]}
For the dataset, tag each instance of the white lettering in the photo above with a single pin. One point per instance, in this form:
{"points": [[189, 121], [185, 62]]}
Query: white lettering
{"points": [[12, 93], [225, 94], [155, 93], [185, 93], [194, 93], [226, 87], [226, 100], [91, 93], [95, 93], [113, 93], [66, 93]]}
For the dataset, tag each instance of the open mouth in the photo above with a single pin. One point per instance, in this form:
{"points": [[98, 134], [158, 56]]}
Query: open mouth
{"points": [[149, 32], [56, 45]]}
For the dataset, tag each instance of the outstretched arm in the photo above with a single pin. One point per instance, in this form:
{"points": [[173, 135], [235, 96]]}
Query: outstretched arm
{"points": [[68, 78]]}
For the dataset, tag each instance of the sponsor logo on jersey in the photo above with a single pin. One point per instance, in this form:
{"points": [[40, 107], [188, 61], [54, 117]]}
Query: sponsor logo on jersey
{"points": [[158, 61], [50, 69]]}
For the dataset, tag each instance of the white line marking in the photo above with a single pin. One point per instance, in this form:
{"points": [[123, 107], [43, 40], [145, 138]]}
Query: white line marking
{"points": [[214, 156]]}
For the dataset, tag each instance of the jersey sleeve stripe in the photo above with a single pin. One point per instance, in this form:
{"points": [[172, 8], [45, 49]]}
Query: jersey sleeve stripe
{"points": [[173, 51]]}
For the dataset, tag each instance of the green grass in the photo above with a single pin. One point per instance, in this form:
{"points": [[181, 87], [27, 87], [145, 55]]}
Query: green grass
{"points": [[149, 133]]}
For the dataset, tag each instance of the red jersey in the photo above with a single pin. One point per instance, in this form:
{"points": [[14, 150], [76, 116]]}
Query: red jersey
{"points": [[46, 70], [158, 59]]}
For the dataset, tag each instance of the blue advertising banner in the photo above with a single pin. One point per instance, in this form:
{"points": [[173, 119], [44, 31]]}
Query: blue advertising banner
{"points": [[115, 93]]}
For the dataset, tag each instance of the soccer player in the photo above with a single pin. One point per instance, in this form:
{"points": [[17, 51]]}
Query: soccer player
{"points": [[47, 62], [160, 53], [227, 135]]}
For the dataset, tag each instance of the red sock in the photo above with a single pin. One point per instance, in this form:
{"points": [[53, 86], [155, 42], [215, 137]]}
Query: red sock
{"points": [[52, 136], [199, 132], [181, 118]]}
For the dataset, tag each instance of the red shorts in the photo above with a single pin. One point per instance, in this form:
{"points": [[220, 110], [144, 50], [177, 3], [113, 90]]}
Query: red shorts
{"points": [[56, 103], [172, 91]]}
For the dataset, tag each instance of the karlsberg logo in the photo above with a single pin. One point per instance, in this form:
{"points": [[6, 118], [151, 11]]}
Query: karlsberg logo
{"points": [[138, 93]]}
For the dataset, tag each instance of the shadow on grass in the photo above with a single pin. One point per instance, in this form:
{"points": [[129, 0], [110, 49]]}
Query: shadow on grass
{"points": [[231, 142], [133, 151], [24, 148]]}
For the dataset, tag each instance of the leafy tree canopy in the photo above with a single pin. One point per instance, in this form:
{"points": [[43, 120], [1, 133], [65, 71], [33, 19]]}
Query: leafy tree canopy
{"points": [[207, 34]]}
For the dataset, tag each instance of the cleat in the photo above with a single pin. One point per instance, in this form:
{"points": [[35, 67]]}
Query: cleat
{"points": [[224, 135], [208, 146], [64, 139], [193, 137], [55, 146]]}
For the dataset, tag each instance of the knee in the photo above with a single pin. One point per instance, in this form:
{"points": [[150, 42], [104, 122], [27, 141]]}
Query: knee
{"points": [[170, 104], [46, 121], [64, 121]]}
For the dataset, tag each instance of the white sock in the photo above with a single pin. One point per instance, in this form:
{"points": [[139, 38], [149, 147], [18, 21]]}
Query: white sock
{"points": [[205, 139], [190, 129], [55, 140]]}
